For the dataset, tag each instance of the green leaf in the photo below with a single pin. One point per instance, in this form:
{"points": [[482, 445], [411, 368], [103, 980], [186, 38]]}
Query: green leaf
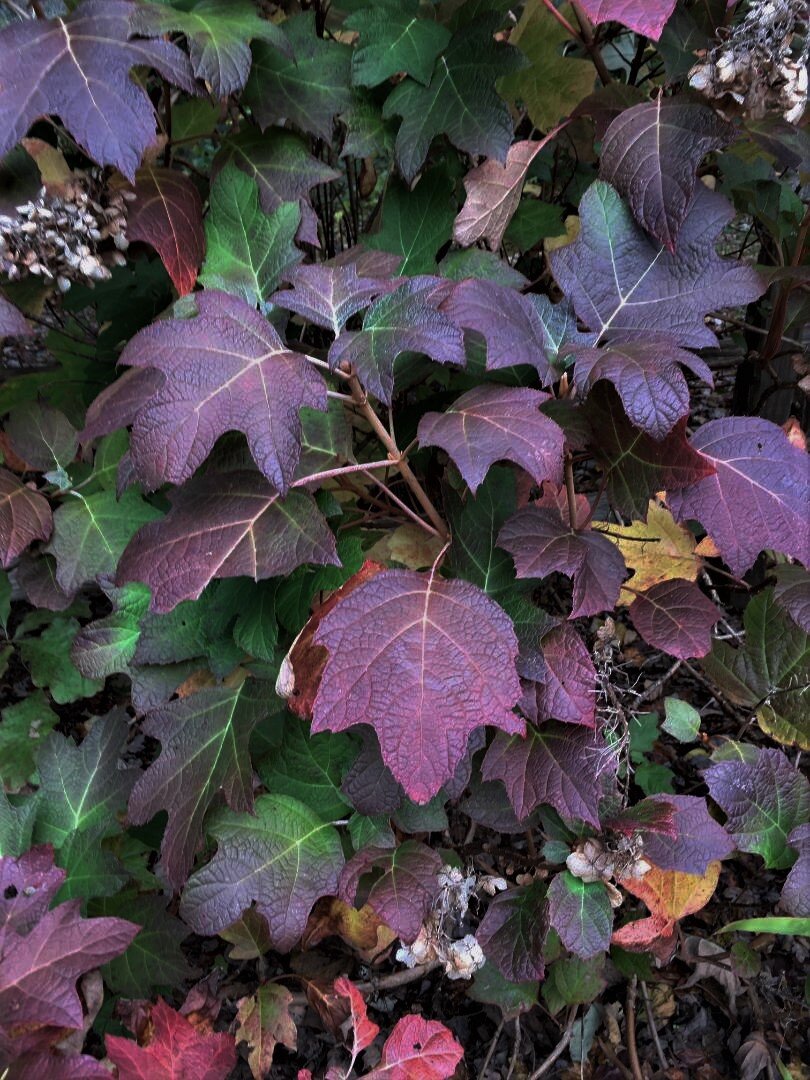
{"points": [[553, 84], [91, 871], [5, 600], [256, 627], [776, 925], [109, 452], [107, 646], [415, 224], [82, 786], [476, 522], [24, 726], [478, 263], [571, 981], [90, 534], [394, 39], [534, 221], [581, 914], [154, 959], [324, 437], [16, 824], [681, 720], [296, 593], [246, 249], [50, 665], [491, 988], [308, 90], [310, 768], [42, 436], [460, 100]]}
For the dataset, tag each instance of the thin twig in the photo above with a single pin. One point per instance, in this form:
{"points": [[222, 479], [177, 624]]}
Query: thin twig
{"points": [[588, 39], [630, 1023], [559, 1049], [404, 506], [662, 1060], [515, 1049], [570, 491], [491, 1050], [343, 470], [386, 982], [653, 691]]}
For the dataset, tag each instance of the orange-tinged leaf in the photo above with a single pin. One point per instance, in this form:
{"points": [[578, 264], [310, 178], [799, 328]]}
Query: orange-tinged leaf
{"points": [[264, 1021], [670, 895], [360, 928]]}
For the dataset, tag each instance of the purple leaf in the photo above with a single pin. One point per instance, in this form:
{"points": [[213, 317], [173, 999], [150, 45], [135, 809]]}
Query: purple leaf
{"points": [[764, 798], [566, 688], [651, 153], [424, 661], [555, 763], [12, 322], [696, 841], [541, 542], [792, 594], [119, 403], [513, 931], [327, 295], [647, 17], [225, 525], [493, 195], [758, 496], [28, 884], [497, 423], [581, 914], [25, 516], [225, 370], [675, 616], [796, 890], [167, 215], [646, 375], [404, 894], [56, 1066], [282, 859], [368, 784], [204, 751], [404, 321], [622, 283], [78, 67]]}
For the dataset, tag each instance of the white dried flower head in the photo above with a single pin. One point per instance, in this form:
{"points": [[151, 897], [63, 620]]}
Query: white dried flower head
{"points": [[463, 958]]}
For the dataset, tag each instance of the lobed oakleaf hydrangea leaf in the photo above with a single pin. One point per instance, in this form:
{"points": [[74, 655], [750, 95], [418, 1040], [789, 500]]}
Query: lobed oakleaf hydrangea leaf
{"points": [[204, 751], [513, 931], [418, 1049], [497, 423], [650, 154], [42, 436], [764, 798], [47, 658], [12, 321], [795, 897], [328, 295], [622, 283], [541, 542], [25, 516], [437, 661], [460, 101], [107, 645], [167, 215], [416, 224], [364, 1031], [282, 859], [28, 885], [310, 768], [308, 88], [225, 524], [697, 838], [368, 784], [647, 377], [581, 913], [792, 593], [670, 896], [760, 479], [394, 39], [404, 893], [677, 617], [250, 382], [264, 1021], [558, 764], [648, 17], [493, 195], [175, 1048], [562, 680], [403, 321], [218, 33], [78, 67]]}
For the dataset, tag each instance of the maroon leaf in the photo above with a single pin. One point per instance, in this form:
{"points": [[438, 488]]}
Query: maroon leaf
{"points": [[221, 525], [327, 295], [565, 687], [559, 764], [650, 154], [167, 215], [119, 403], [675, 616], [78, 67], [12, 322], [425, 662], [176, 1049], [58, 1067], [513, 931], [493, 194], [581, 914], [698, 839], [647, 377], [369, 784], [622, 283], [497, 423], [403, 895], [541, 542], [404, 321], [792, 594], [204, 740], [27, 887], [225, 370], [418, 1049], [758, 495], [25, 516], [646, 17]]}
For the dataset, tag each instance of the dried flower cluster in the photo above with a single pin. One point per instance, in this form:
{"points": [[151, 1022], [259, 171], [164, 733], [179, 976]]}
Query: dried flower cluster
{"points": [[754, 71], [57, 237]]}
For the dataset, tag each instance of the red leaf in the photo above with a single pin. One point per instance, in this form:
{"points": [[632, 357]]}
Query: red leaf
{"points": [[565, 687], [167, 215], [364, 1031], [418, 1049], [675, 616], [424, 661], [176, 1050], [25, 516]]}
